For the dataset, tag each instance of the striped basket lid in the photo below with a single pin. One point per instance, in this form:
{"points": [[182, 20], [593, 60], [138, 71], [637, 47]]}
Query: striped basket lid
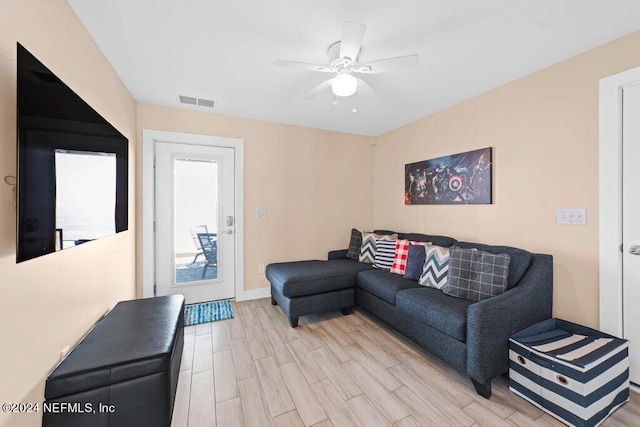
{"points": [[573, 344]]}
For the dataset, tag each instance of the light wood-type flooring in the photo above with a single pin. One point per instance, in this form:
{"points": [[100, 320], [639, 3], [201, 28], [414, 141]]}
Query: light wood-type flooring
{"points": [[334, 370]]}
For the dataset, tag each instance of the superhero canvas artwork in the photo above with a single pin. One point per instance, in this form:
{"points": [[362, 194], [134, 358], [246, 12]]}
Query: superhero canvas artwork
{"points": [[458, 179]]}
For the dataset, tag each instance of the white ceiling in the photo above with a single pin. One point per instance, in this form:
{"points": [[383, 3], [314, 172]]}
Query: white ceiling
{"points": [[224, 50]]}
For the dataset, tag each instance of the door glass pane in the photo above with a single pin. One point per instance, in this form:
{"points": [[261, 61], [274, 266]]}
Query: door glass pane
{"points": [[195, 220]]}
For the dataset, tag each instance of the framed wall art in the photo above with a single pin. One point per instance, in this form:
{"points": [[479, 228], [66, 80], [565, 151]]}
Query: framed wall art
{"points": [[458, 179]]}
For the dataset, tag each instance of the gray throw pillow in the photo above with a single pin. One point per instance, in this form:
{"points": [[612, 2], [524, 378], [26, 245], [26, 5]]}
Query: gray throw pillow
{"points": [[476, 275], [355, 244]]}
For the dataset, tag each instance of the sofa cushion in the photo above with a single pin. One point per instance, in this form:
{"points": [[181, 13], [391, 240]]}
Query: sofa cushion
{"points": [[442, 312], [355, 244], [388, 232], [418, 237], [443, 241], [294, 279], [520, 259], [383, 284]]}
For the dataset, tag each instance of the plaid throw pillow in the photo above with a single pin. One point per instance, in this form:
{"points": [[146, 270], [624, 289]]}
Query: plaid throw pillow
{"points": [[476, 275], [355, 244], [385, 249], [400, 257], [368, 249]]}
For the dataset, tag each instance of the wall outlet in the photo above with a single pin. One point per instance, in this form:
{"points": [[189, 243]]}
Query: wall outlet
{"points": [[261, 269], [64, 352], [571, 216]]}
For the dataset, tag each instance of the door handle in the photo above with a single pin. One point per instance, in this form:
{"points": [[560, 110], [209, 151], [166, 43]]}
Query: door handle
{"points": [[634, 250], [229, 231]]}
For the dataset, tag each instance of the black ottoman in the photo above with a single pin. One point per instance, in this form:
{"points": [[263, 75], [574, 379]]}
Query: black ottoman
{"points": [[306, 287], [124, 373]]}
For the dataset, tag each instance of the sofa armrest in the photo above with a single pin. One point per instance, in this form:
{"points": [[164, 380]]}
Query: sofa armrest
{"points": [[339, 254], [491, 322]]}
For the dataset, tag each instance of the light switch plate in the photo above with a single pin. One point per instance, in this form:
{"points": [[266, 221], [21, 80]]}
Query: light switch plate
{"points": [[261, 213], [571, 216]]}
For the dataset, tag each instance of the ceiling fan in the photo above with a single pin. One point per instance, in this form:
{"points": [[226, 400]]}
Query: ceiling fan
{"points": [[343, 55]]}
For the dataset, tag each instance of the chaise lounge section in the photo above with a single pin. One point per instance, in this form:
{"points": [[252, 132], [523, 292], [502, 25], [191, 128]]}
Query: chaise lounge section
{"points": [[307, 287], [471, 336]]}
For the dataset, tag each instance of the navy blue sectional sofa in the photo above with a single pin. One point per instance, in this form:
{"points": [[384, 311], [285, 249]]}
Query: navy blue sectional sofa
{"points": [[471, 336]]}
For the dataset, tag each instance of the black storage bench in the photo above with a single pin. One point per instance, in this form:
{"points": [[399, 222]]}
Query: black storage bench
{"points": [[124, 372], [307, 287]]}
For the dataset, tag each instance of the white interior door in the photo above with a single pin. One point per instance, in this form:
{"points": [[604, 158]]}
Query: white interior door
{"points": [[631, 225], [195, 221]]}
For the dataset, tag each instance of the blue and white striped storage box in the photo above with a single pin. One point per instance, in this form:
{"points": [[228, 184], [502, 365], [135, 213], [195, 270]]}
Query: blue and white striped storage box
{"points": [[577, 374]]}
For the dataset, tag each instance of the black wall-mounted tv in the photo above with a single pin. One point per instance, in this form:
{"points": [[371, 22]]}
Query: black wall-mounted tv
{"points": [[72, 166]]}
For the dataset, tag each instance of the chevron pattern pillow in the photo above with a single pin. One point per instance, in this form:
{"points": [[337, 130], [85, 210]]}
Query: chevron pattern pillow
{"points": [[436, 267], [368, 249]]}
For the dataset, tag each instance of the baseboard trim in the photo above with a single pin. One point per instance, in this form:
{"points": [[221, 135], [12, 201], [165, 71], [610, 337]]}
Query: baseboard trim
{"points": [[254, 294]]}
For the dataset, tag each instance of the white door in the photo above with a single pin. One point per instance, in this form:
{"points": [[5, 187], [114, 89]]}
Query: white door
{"points": [[631, 225], [195, 219]]}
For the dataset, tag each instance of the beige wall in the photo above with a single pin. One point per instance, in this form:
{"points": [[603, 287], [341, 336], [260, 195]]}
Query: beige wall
{"points": [[315, 185], [50, 302], [544, 132]]}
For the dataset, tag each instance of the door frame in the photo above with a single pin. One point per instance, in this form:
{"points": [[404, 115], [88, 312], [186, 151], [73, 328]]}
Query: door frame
{"points": [[149, 139], [610, 199]]}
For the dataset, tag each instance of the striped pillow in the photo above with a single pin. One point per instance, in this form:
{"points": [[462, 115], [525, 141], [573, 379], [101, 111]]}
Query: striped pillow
{"points": [[400, 257], [368, 249], [385, 251]]}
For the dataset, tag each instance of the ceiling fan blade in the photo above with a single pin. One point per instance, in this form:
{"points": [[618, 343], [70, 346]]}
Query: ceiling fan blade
{"points": [[301, 65], [364, 89], [351, 41], [318, 89], [389, 64]]}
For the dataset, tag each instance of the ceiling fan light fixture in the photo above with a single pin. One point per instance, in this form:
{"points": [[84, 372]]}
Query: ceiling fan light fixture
{"points": [[344, 85]]}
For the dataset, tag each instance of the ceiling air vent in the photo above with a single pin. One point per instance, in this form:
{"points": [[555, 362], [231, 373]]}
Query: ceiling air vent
{"points": [[188, 100], [201, 102], [206, 102]]}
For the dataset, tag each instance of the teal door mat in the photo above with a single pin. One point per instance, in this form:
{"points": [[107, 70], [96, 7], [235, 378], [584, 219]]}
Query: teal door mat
{"points": [[195, 314]]}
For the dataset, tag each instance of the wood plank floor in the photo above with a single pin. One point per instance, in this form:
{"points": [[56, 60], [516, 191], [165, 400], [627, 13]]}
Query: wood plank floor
{"points": [[334, 370]]}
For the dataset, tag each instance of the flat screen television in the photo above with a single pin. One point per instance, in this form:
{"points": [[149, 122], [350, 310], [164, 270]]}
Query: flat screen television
{"points": [[72, 166]]}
